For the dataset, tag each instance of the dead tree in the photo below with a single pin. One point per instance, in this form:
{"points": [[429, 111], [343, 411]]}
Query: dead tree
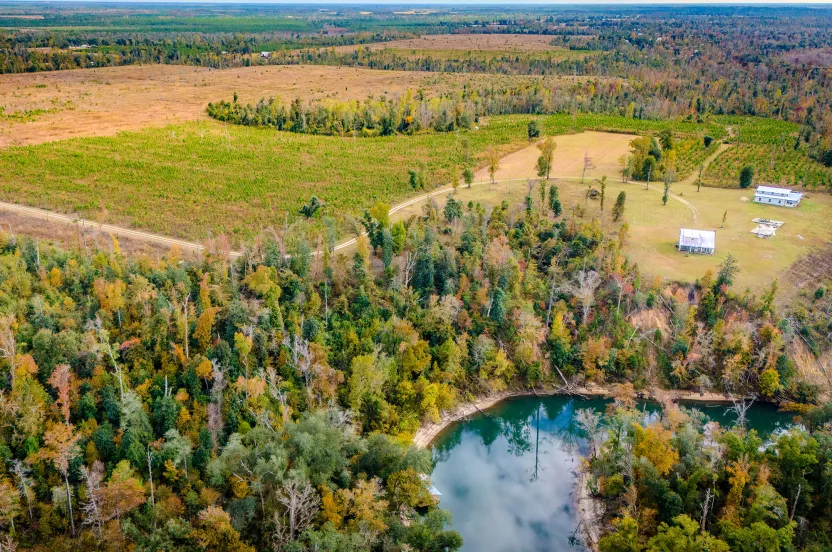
{"points": [[740, 407], [301, 506]]}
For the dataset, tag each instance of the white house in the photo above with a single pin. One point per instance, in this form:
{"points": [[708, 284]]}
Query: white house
{"points": [[697, 241], [777, 196]]}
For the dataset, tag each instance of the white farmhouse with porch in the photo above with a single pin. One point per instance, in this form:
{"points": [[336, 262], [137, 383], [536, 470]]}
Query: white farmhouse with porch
{"points": [[697, 241], [783, 197]]}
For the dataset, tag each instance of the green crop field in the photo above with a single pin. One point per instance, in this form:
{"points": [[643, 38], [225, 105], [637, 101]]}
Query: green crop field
{"points": [[773, 164], [768, 145], [200, 179]]}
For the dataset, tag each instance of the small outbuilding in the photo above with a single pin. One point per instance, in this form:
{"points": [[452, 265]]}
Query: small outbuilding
{"points": [[697, 241], [783, 197]]}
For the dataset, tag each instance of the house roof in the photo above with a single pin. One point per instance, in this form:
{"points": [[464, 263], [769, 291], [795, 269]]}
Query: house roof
{"points": [[773, 190], [697, 238], [786, 193]]}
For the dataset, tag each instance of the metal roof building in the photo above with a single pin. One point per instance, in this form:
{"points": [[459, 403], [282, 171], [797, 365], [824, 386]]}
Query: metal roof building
{"points": [[697, 241], [783, 197]]}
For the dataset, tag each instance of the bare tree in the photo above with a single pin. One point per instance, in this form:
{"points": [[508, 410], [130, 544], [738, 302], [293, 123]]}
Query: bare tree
{"points": [[408, 263], [588, 166], [91, 507], [740, 407], [710, 497], [584, 286], [301, 358], [590, 422], [24, 482], [7, 544], [8, 346], [150, 475], [301, 502]]}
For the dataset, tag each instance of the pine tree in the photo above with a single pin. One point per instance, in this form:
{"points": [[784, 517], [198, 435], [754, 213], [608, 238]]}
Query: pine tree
{"points": [[554, 202], [618, 208]]}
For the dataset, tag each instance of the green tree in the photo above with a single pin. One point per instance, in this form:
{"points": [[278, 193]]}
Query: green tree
{"points": [[623, 539], [533, 130], [468, 176], [685, 536], [618, 208], [746, 176], [547, 153], [554, 201]]}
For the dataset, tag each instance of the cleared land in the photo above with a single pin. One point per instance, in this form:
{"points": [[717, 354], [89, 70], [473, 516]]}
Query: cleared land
{"points": [[102, 102], [200, 179]]}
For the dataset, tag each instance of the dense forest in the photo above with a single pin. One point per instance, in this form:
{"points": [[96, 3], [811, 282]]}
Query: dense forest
{"points": [[687, 484], [268, 402]]}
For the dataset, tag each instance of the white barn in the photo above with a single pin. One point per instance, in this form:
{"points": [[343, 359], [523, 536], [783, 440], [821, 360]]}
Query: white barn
{"points": [[783, 197], [697, 241]]}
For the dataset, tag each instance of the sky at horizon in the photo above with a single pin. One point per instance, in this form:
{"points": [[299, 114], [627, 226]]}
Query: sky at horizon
{"points": [[558, 3]]}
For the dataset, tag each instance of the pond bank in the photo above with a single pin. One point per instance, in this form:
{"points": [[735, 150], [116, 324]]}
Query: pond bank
{"points": [[428, 431]]}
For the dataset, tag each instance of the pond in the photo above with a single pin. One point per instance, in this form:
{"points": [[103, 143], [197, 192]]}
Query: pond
{"points": [[509, 477]]}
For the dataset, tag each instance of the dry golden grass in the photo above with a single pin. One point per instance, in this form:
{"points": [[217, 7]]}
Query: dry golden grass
{"points": [[105, 101]]}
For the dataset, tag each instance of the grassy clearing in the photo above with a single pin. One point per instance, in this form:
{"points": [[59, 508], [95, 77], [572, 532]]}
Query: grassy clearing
{"points": [[199, 179]]}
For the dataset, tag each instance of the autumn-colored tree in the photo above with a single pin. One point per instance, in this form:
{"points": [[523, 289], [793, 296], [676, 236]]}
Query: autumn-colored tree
{"points": [[60, 447], [214, 532], [654, 443]]}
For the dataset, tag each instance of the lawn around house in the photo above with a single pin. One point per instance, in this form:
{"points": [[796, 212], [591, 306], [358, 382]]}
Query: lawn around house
{"points": [[654, 227]]}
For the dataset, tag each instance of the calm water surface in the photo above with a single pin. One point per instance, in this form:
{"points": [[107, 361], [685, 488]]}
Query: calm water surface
{"points": [[509, 477]]}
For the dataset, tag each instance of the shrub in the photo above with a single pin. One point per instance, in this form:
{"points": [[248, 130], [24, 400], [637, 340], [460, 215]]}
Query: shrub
{"points": [[707, 141], [533, 130]]}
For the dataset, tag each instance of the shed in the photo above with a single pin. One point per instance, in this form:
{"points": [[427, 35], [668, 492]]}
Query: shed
{"points": [[697, 241], [784, 197]]}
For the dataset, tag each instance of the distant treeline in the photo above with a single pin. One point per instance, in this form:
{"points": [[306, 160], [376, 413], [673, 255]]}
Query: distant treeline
{"points": [[35, 51]]}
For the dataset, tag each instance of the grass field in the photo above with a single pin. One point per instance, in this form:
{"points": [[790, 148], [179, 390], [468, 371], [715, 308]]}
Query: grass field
{"points": [[171, 180], [202, 178]]}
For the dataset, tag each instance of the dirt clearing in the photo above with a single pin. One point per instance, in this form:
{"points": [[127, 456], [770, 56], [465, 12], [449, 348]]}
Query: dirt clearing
{"points": [[603, 148], [103, 102]]}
